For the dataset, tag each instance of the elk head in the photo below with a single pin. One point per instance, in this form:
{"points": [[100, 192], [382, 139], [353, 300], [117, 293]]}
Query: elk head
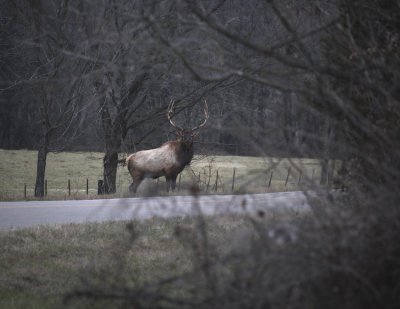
{"points": [[167, 160], [186, 137]]}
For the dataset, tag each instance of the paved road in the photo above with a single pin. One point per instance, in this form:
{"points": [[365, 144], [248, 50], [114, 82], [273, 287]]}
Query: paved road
{"points": [[15, 215]]}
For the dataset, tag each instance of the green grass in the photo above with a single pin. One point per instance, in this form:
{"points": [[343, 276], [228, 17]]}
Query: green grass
{"points": [[18, 167]]}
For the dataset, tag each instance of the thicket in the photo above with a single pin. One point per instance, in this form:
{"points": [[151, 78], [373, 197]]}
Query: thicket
{"points": [[346, 252]]}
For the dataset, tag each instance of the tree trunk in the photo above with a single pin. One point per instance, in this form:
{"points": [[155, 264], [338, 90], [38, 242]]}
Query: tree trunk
{"points": [[331, 172], [115, 127], [113, 135], [41, 167], [327, 141], [110, 162]]}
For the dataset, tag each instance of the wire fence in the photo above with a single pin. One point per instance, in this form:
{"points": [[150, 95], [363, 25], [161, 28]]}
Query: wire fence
{"points": [[208, 181]]}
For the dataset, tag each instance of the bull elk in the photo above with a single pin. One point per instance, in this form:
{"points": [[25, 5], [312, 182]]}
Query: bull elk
{"points": [[167, 160]]}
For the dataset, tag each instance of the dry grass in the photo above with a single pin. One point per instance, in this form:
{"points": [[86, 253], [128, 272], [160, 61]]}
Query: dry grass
{"points": [[343, 254], [18, 167], [39, 266]]}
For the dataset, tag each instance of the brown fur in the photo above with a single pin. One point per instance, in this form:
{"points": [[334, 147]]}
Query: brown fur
{"points": [[168, 160]]}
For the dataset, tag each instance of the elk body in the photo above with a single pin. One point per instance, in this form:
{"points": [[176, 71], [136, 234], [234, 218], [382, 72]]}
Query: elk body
{"points": [[168, 160]]}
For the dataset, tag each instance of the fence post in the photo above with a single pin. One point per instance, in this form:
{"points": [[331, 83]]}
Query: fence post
{"points": [[69, 187], [216, 182], [270, 179], [87, 186], [287, 177], [233, 179], [24, 190]]}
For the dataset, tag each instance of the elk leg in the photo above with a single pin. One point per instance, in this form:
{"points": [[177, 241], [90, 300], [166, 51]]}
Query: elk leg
{"points": [[136, 180], [168, 179], [173, 183], [133, 188]]}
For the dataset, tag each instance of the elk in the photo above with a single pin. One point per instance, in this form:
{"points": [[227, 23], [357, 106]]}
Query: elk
{"points": [[167, 160]]}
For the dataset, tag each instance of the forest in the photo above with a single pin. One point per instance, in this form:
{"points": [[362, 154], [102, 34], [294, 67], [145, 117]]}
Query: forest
{"points": [[315, 79]]}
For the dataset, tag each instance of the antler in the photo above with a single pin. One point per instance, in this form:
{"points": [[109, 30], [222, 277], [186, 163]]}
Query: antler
{"points": [[205, 116], [169, 112]]}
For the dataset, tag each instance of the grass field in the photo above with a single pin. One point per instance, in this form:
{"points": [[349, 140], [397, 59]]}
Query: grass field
{"points": [[252, 174], [40, 266]]}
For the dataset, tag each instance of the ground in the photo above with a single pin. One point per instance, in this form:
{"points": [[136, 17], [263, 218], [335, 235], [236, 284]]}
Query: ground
{"points": [[252, 174]]}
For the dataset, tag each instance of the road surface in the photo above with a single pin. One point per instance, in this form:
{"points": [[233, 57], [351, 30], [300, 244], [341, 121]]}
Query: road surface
{"points": [[14, 215]]}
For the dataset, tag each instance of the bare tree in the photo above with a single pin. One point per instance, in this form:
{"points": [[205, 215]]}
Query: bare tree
{"points": [[54, 80], [126, 70], [228, 43]]}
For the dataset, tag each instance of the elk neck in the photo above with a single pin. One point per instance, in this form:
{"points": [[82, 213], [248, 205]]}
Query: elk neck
{"points": [[183, 151]]}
